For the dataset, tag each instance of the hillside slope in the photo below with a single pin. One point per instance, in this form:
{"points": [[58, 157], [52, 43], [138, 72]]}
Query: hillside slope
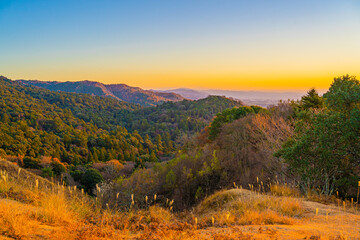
{"points": [[35, 123], [178, 119], [121, 92], [34, 208], [80, 128]]}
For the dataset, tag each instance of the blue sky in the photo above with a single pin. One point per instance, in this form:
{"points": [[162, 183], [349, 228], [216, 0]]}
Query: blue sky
{"points": [[222, 44]]}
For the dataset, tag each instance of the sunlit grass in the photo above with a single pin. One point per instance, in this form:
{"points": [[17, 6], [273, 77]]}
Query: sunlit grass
{"points": [[33, 206], [243, 207]]}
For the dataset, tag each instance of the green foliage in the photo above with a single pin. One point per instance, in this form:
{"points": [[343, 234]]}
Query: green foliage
{"points": [[170, 180], [90, 178], [228, 116], [344, 94], [312, 100], [30, 162], [38, 122], [77, 175], [172, 120], [199, 194], [58, 167], [326, 147], [47, 172], [80, 128]]}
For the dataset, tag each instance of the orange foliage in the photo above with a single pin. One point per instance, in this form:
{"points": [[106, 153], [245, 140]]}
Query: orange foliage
{"points": [[57, 161], [116, 164], [45, 161]]}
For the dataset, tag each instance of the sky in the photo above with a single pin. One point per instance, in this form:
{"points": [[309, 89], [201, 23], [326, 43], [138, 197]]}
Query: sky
{"points": [[203, 44]]}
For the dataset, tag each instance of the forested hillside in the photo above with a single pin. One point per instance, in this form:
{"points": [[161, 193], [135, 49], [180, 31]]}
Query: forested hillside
{"points": [[314, 144], [307, 148], [120, 92], [79, 129], [177, 120], [34, 124], [170, 120], [241, 153]]}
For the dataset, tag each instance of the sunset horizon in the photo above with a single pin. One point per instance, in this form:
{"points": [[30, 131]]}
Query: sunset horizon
{"points": [[179, 119], [235, 45]]}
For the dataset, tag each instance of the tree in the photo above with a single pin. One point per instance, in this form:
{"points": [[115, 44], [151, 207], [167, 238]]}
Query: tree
{"points": [[312, 100], [153, 157], [47, 172], [170, 180], [316, 154], [344, 94], [30, 162], [326, 147], [57, 167], [90, 178], [228, 116], [343, 98], [159, 142]]}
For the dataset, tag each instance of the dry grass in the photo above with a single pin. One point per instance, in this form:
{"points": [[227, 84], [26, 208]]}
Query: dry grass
{"points": [[55, 209], [34, 208], [243, 207], [284, 190], [15, 221]]}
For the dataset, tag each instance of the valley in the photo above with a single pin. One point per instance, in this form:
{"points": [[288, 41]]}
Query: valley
{"points": [[80, 166]]}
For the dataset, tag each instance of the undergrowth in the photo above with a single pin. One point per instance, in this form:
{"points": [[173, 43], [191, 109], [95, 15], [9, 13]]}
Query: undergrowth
{"points": [[35, 207]]}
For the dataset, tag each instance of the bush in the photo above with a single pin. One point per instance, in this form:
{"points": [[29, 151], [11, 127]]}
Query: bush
{"points": [[90, 178], [47, 172], [30, 162], [58, 167], [77, 175]]}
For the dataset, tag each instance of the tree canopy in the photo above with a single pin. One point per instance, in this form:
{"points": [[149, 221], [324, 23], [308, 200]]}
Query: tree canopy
{"points": [[325, 151]]}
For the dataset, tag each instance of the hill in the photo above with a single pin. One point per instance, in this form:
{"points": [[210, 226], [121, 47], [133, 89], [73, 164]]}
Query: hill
{"points": [[170, 120], [121, 92], [178, 120], [35, 124], [80, 128], [34, 208], [312, 144], [187, 93]]}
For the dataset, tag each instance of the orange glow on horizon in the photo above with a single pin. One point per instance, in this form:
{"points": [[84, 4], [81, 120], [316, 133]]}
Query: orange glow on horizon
{"points": [[196, 81]]}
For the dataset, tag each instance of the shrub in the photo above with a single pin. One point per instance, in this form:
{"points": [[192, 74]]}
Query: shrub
{"points": [[30, 162], [58, 167], [47, 172], [90, 178], [77, 175]]}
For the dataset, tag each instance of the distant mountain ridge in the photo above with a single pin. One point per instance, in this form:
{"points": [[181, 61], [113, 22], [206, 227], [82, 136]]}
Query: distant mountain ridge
{"points": [[153, 97], [186, 92], [260, 98], [120, 92]]}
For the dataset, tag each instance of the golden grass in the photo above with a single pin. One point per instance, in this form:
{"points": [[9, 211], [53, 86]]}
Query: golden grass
{"points": [[243, 207], [55, 209], [15, 221], [284, 190], [34, 208]]}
